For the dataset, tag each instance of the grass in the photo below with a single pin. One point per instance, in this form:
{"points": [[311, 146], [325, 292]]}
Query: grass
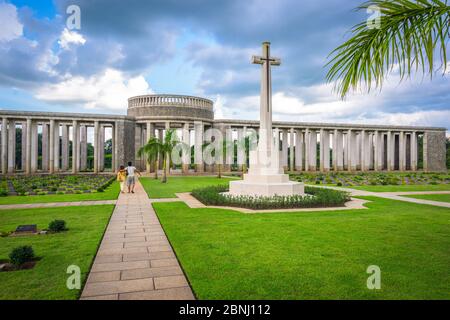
{"points": [[401, 188], [111, 193], [155, 189], [77, 246], [320, 255], [433, 197]]}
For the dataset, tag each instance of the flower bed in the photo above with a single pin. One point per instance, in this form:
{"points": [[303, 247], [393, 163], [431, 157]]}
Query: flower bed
{"points": [[53, 184], [314, 198], [372, 178]]}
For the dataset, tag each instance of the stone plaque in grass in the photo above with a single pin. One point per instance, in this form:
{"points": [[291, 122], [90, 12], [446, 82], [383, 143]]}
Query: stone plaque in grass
{"points": [[25, 229]]}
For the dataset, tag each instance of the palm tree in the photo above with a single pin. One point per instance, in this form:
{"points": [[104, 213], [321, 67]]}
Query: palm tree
{"points": [[156, 149], [410, 34], [152, 151]]}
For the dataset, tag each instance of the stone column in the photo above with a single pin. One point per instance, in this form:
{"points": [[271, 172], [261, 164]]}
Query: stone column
{"points": [[345, 152], [229, 149], [359, 156], [198, 151], [307, 149], [12, 146], [378, 151], [390, 150], [24, 146], [351, 150], [365, 152], [324, 150], [34, 147], [167, 127], [186, 153], [298, 150], [161, 138], [101, 150], [51, 147], [241, 155], [313, 150], [56, 147], [338, 156], [96, 145], [371, 155], [45, 147], [28, 147], [413, 150], [402, 151], [65, 148], [4, 153], [292, 150], [114, 164], [83, 147], [75, 146], [434, 151], [150, 134], [284, 149]]}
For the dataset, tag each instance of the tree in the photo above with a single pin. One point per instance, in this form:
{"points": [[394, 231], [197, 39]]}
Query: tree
{"points": [[409, 34], [156, 148]]}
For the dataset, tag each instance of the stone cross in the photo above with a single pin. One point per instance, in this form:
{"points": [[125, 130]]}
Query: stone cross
{"points": [[266, 92]]}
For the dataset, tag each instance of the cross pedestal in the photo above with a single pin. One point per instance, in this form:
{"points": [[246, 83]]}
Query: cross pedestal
{"points": [[266, 175]]}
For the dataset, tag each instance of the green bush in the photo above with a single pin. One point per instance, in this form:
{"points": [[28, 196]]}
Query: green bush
{"points": [[57, 226], [3, 193], [339, 184], [20, 255], [314, 198]]}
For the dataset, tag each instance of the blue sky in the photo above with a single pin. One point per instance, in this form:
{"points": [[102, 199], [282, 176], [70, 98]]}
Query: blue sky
{"points": [[196, 47]]}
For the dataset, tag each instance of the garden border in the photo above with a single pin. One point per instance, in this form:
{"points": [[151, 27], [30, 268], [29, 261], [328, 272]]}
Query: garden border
{"points": [[193, 203]]}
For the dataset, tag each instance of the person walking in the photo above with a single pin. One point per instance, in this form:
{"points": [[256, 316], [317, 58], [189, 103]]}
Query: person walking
{"points": [[131, 179], [122, 177]]}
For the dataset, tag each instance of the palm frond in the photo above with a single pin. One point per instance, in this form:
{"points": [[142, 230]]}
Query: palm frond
{"points": [[410, 34]]}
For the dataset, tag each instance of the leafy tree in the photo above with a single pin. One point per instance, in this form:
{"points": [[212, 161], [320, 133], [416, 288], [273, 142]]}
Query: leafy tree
{"points": [[156, 148], [410, 35]]}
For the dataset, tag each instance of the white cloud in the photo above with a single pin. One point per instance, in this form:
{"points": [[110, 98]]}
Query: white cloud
{"points": [[70, 37], [11, 27], [109, 90]]}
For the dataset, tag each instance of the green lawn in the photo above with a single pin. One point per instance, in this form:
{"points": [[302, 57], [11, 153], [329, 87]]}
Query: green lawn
{"points": [[155, 189], [111, 193], [434, 197], [320, 255], [77, 246], [401, 188]]}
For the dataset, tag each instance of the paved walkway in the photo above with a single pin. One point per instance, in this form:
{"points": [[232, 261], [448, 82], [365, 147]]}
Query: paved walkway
{"points": [[397, 195], [56, 204], [135, 259]]}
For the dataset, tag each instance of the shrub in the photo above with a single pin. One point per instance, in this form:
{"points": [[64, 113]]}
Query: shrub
{"points": [[20, 255], [339, 184], [3, 193], [314, 198], [57, 226]]}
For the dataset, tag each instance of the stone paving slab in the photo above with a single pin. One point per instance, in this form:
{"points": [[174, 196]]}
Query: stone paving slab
{"points": [[135, 260], [56, 204]]}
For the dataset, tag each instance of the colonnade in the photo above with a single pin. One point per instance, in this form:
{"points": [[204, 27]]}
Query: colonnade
{"points": [[63, 146], [302, 149]]}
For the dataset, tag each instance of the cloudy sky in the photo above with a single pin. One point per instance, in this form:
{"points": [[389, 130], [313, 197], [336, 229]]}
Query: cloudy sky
{"points": [[196, 47]]}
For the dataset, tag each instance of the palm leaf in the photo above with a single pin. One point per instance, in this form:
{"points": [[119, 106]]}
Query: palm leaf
{"points": [[413, 35]]}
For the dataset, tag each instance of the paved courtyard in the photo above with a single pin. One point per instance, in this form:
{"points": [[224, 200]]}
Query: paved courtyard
{"points": [[135, 259]]}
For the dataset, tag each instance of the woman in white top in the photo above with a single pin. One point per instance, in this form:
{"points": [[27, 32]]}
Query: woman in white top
{"points": [[131, 179]]}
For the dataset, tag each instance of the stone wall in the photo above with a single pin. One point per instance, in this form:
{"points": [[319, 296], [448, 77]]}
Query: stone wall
{"points": [[434, 151], [125, 142]]}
